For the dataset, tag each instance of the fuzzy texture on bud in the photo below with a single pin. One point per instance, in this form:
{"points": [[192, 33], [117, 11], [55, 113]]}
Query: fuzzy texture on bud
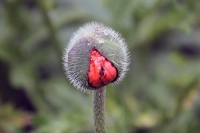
{"points": [[95, 56]]}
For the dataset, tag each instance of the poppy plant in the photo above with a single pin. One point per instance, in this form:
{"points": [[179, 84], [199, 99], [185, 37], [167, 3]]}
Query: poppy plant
{"points": [[95, 57]]}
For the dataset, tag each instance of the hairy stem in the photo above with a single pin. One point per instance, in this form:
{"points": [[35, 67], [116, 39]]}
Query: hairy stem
{"points": [[99, 110]]}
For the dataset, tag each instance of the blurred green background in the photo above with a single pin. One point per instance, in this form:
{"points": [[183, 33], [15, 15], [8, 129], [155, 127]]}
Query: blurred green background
{"points": [[160, 93]]}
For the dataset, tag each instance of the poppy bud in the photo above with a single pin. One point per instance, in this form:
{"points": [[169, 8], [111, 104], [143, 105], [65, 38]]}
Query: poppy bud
{"points": [[95, 56]]}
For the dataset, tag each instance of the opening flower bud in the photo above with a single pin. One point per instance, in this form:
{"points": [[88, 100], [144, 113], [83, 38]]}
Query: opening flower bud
{"points": [[95, 56]]}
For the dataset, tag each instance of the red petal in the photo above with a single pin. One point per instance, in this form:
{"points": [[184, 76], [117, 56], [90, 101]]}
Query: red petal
{"points": [[101, 70]]}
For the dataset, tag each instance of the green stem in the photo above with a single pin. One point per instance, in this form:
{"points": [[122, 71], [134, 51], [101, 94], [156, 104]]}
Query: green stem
{"points": [[51, 29], [193, 85], [99, 110]]}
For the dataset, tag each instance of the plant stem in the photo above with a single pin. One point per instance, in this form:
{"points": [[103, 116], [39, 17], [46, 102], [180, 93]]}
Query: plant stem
{"points": [[99, 110], [51, 29], [186, 91]]}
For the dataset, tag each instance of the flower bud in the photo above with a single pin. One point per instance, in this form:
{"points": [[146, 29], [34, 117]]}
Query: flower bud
{"points": [[95, 56]]}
